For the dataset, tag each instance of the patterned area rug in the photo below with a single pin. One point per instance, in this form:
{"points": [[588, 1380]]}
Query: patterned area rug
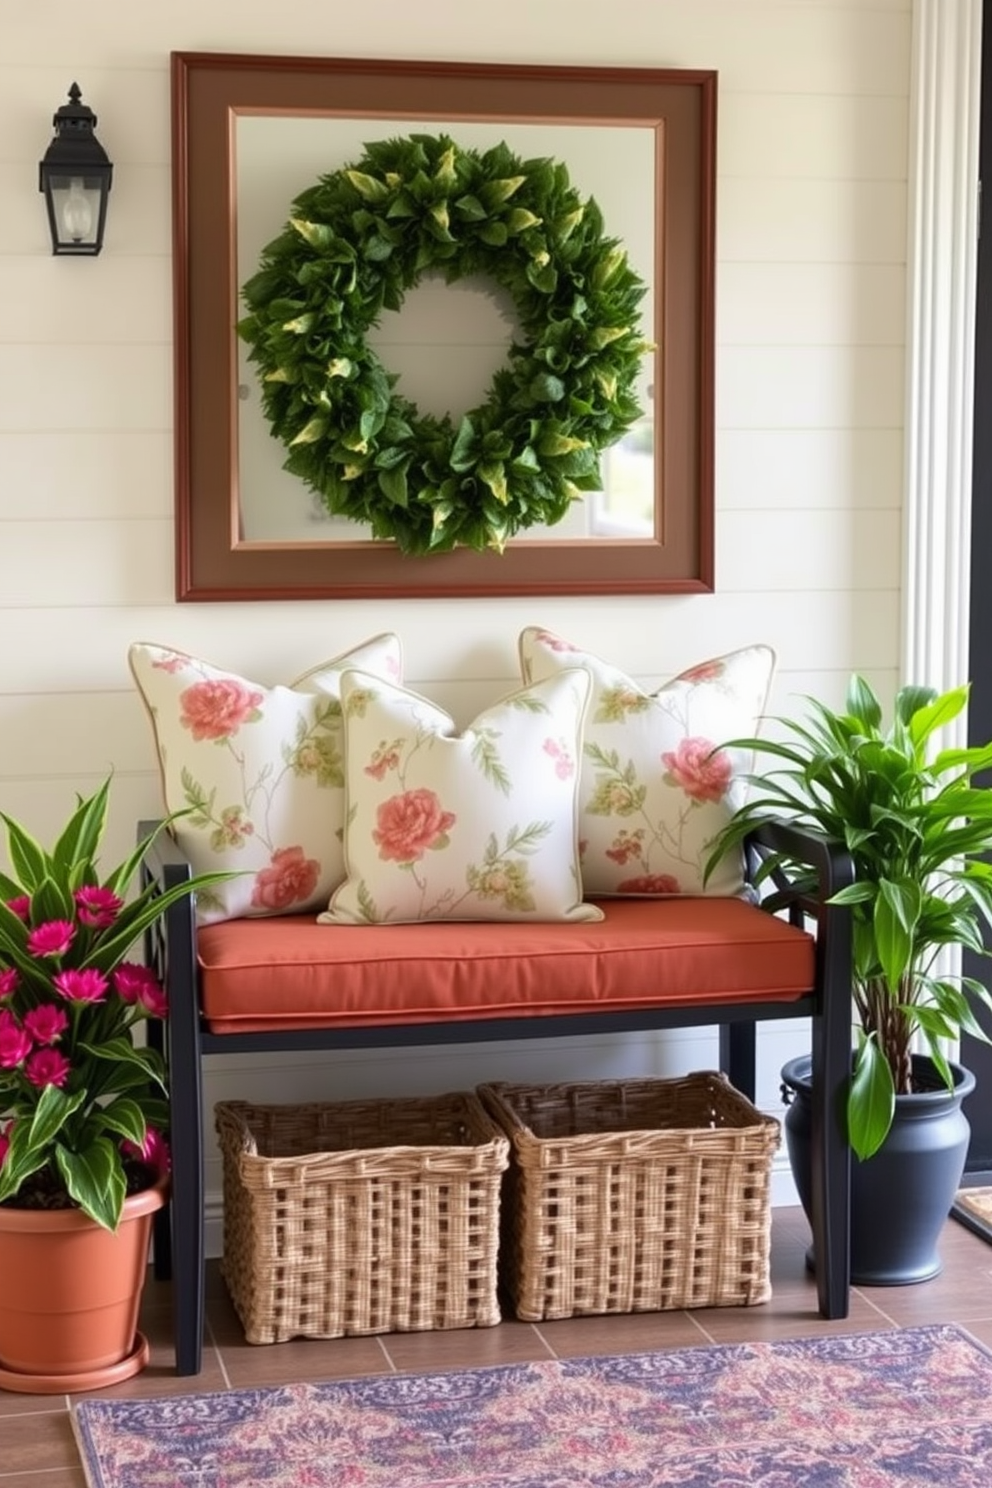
{"points": [[908, 1407]]}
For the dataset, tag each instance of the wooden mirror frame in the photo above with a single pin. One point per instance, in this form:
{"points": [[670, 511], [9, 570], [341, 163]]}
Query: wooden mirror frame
{"points": [[209, 91]]}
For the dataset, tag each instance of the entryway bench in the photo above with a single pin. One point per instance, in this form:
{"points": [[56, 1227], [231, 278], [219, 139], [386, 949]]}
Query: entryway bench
{"points": [[289, 983]]}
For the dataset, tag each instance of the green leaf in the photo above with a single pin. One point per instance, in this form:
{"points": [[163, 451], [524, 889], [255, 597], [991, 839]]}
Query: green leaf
{"points": [[50, 1114], [520, 219], [21, 1161], [367, 186], [863, 704], [493, 474], [314, 429], [547, 389], [471, 208], [871, 1100], [393, 484], [463, 450], [495, 193], [122, 1051], [28, 858], [494, 234], [925, 713], [125, 1117], [316, 234], [95, 1180]]}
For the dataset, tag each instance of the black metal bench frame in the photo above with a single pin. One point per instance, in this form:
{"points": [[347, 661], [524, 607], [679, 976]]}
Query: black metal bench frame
{"points": [[180, 1250]]}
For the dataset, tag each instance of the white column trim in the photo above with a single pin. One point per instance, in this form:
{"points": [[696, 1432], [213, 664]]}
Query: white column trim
{"points": [[945, 103]]}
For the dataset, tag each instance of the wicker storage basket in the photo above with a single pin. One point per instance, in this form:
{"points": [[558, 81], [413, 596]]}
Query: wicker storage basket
{"points": [[361, 1216], [634, 1196]]}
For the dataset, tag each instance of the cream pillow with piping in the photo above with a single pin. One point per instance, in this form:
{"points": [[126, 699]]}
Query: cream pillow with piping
{"points": [[653, 793], [260, 772], [480, 825]]}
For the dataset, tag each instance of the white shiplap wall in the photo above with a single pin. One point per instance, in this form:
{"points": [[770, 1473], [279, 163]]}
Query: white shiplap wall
{"points": [[811, 294]]}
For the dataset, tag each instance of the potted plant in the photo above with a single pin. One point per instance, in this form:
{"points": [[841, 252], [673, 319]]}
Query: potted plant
{"points": [[83, 1155], [917, 829]]}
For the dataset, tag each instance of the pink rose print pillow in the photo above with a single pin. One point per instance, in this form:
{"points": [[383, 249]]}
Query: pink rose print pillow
{"points": [[260, 770], [653, 794], [474, 826]]}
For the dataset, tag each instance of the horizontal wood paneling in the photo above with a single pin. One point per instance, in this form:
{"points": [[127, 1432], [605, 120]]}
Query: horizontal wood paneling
{"points": [[811, 233]]}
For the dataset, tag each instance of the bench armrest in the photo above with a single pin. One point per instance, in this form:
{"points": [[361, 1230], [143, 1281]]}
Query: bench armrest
{"points": [[806, 867]]}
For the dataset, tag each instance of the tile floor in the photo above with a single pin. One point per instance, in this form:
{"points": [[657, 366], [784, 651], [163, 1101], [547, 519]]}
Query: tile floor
{"points": [[36, 1443]]}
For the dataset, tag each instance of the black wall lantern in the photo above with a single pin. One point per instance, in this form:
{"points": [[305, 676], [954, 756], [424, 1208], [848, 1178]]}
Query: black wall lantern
{"points": [[75, 177]]}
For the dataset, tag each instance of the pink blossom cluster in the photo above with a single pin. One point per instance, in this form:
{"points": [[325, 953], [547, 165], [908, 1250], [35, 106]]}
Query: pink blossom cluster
{"points": [[38, 1034]]}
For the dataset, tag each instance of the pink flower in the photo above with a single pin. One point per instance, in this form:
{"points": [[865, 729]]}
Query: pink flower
{"points": [[650, 883], [289, 879], [625, 846], [81, 986], [46, 1023], [8, 982], [154, 1151], [5, 1142], [217, 709], [703, 773], [47, 1067], [410, 824], [21, 906], [97, 907], [154, 1000], [383, 760], [15, 1044], [53, 938], [558, 750], [130, 980], [134, 983], [705, 671]]}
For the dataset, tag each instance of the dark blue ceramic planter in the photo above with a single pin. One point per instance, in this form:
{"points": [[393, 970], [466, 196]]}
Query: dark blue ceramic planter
{"points": [[900, 1197]]}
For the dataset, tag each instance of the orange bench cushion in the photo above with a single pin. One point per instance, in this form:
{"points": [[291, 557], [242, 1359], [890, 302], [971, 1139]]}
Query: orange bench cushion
{"points": [[289, 972]]}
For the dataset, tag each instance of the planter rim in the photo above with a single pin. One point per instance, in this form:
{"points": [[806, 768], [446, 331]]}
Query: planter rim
{"points": [[22, 1221], [797, 1073]]}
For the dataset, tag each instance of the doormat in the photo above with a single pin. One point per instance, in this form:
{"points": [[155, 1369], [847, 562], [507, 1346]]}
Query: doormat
{"points": [[907, 1407], [973, 1208]]}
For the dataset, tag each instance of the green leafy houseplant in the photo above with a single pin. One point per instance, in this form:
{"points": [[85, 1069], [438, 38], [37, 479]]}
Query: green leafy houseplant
{"points": [[916, 828], [82, 1105]]}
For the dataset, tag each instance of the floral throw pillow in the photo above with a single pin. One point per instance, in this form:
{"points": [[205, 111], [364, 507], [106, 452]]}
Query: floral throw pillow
{"points": [[481, 825], [260, 771], [653, 794]]}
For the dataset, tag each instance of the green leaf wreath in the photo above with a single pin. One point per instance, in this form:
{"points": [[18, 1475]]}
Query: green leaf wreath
{"points": [[354, 244]]}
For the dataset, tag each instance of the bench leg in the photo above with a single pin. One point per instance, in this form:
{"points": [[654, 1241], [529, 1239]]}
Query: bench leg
{"points": [[738, 1058], [162, 1218], [830, 1176], [187, 1206], [830, 1170]]}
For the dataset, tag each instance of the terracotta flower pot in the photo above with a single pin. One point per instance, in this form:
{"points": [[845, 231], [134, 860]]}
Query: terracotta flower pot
{"points": [[69, 1296]]}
